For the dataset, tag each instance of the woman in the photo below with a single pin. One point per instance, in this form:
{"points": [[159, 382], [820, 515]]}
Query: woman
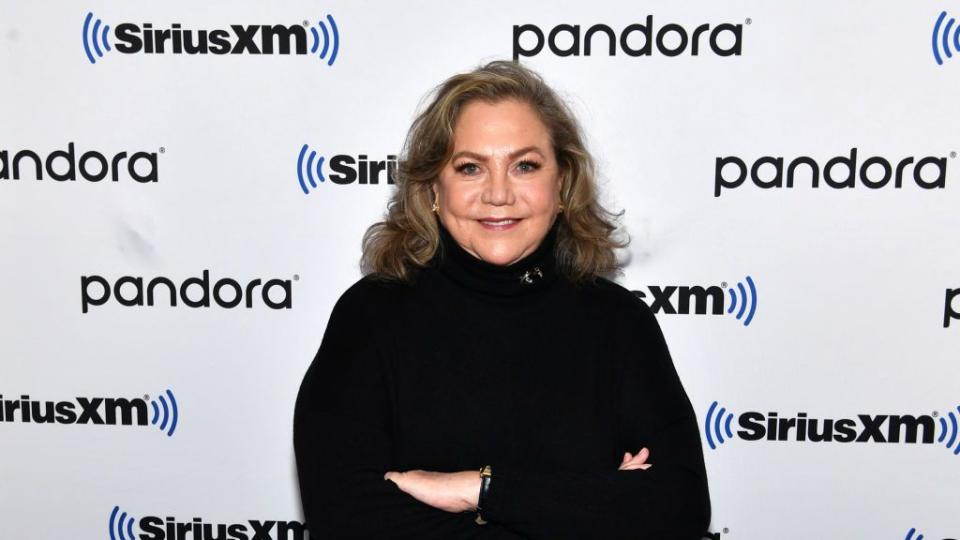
{"points": [[484, 379]]}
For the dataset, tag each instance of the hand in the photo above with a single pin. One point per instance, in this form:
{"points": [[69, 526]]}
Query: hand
{"points": [[452, 492], [638, 461]]}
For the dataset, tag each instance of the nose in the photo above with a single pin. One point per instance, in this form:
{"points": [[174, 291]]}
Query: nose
{"points": [[497, 188]]}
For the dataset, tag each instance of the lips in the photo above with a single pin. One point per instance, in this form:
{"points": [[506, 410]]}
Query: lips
{"points": [[499, 224]]}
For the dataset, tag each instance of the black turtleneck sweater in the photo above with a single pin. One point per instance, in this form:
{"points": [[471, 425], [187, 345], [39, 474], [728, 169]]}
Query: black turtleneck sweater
{"points": [[547, 381]]}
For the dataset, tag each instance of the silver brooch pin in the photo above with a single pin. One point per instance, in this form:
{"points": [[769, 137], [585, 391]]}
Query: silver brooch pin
{"points": [[527, 277]]}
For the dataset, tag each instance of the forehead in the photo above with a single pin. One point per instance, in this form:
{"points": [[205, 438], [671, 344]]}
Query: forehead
{"points": [[506, 120]]}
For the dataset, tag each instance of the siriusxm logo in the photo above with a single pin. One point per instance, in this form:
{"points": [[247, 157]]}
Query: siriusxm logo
{"points": [[97, 411], [874, 173], [942, 39], [235, 295], [257, 39], [669, 40], [950, 312], [914, 534], [345, 169], [63, 165], [878, 428], [705, 300], [121, 527]]}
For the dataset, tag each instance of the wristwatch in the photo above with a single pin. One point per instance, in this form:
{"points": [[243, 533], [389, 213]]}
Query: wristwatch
{"points": [[486, 476]]}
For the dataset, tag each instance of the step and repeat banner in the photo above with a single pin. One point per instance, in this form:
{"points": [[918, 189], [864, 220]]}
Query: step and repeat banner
{"points": [[184, 187]]}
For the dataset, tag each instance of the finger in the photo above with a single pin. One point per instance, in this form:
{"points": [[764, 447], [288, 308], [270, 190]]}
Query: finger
{"points": [[631, 467], [635, 462], [626, 457], [642, 455]]}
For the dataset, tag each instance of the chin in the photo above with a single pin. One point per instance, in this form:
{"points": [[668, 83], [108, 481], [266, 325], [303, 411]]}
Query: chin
{"points": [[501, 257]]}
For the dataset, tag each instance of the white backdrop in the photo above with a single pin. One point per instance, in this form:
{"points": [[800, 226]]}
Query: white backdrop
{"points": [[852, 287]]}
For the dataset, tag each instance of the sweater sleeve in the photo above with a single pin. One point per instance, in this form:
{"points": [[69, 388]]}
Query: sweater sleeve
{"points": [[669, 501], [343, 444]]}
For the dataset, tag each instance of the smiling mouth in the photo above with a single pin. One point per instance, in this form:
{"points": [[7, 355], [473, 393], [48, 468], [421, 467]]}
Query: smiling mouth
{"points": [[499, 224]]}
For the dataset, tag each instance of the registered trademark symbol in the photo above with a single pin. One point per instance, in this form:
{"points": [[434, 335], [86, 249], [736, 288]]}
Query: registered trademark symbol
{"points": [[749, 20], [163, 150], [306, 23], [296, 277], [726, 530], [953, 154], [146, 397], [723, 284], [935, 414]]}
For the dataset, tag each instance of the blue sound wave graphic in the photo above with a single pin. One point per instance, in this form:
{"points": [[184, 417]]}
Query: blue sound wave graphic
{"points": [[949, 433], [716, 424], [96, 37], [910, 535], [327, 40], [166, 414], [942, 40], [121, 527], [746, 301], [306, 169]]}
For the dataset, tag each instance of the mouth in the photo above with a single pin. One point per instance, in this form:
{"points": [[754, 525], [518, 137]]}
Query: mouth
{"points": [[499, 224]]}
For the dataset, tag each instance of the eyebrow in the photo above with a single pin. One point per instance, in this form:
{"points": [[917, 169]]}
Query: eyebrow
{"points": [[512, 155]]}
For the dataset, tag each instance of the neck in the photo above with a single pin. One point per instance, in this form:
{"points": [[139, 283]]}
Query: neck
{"points": [[529, 275]]}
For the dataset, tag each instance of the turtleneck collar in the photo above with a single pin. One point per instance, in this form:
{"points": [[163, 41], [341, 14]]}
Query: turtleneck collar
{"points": [[531, 274]]}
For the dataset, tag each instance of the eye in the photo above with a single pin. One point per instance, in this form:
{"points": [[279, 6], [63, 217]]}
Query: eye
{"points": [[528, 166], [466, 168]]}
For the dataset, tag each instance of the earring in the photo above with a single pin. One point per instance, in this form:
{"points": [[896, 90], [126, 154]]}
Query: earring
{"points": [[436, 207], [562, 207]]}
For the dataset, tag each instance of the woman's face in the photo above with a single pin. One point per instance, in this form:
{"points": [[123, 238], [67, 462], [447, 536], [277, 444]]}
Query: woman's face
{"points": [[502, 168]]}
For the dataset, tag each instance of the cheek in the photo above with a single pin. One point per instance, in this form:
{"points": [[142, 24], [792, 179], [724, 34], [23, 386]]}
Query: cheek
{"points": [[541, 199], [461, 198]]}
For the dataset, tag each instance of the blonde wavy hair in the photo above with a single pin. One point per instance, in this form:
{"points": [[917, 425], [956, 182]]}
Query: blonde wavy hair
{"points": [[408, 237]]}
